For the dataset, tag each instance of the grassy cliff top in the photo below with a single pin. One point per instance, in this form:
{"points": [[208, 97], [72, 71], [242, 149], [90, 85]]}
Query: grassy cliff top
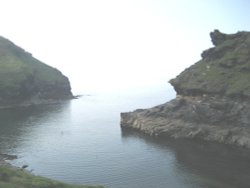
{"points": [[22, 75], [18, 63], [223, 70]]}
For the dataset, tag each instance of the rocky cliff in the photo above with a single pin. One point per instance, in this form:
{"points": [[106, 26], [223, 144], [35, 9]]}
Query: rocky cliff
{"points": [[25, 80], [213, 97]]}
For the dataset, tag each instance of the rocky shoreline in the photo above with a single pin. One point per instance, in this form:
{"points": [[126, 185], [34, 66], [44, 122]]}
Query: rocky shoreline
{"points": [[193, 117], [212, 101], [3, 162], [5, 157]]}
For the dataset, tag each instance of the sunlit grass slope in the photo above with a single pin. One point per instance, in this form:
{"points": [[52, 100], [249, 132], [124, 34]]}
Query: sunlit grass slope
{"points": [[22, 76]]}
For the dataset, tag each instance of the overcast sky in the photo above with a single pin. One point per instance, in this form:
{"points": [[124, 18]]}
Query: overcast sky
{"points": [[119, 44]]}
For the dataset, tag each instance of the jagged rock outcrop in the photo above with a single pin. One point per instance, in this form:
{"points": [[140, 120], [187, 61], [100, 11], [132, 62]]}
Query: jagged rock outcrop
{"points": [[25, 80], [224, 70], [212, 100]]}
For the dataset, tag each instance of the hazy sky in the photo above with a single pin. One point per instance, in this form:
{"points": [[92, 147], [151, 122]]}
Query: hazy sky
{"points": [[119, 44]]}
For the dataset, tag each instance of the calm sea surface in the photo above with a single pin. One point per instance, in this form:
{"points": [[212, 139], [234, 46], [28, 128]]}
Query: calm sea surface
{"points": [[80, 141]]}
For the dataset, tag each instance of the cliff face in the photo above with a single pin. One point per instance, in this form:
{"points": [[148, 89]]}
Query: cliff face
{"points": [[24, 79], [212, 100], [224, 70]]}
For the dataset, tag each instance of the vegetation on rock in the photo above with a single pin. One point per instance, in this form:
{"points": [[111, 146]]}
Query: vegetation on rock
{"points": [[17, 178], [212, 100], [22, 77], [224, 69]]}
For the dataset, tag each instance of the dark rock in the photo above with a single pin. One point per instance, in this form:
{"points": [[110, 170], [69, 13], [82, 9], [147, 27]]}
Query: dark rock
{"points": [[217, 37], [212, 100], [25, 166], [7, 157]]}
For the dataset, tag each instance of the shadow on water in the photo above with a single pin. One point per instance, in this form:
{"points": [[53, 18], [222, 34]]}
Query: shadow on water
{"points": [[16, 122], [213, 165]]}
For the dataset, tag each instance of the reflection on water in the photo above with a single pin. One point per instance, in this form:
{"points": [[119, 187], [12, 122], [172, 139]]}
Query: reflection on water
{"points": [[214, 165], [18, 123], [80, 141]]}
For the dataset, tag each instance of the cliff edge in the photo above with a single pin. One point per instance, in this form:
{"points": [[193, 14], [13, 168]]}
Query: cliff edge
{"points": [[212, 101], [25, 80]]}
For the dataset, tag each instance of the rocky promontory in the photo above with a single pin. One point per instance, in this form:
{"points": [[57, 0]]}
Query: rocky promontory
{"points": [[25, 80], [213, 97]]}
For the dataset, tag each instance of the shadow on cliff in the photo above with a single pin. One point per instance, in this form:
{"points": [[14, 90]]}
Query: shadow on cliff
{"points": [[217, 164]]}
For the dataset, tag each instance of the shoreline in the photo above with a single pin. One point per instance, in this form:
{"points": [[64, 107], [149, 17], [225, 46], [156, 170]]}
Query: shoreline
{"points": [[6, 157], [37, 102], [212, 101], [205, 118], [12, 176]]}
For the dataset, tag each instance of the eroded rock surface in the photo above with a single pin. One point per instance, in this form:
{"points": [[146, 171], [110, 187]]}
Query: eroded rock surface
{"points": [[212, 100]]}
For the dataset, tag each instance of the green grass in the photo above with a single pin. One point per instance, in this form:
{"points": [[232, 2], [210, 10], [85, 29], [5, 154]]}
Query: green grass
{"points": [[23, 76], [17, 178], [225, 71], [16, 64]]}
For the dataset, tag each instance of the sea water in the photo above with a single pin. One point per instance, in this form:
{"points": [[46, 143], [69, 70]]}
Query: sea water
{"points": [[81, 142]]}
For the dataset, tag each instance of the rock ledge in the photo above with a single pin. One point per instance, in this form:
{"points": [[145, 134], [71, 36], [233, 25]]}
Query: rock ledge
{"points": [[212, 101]]}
